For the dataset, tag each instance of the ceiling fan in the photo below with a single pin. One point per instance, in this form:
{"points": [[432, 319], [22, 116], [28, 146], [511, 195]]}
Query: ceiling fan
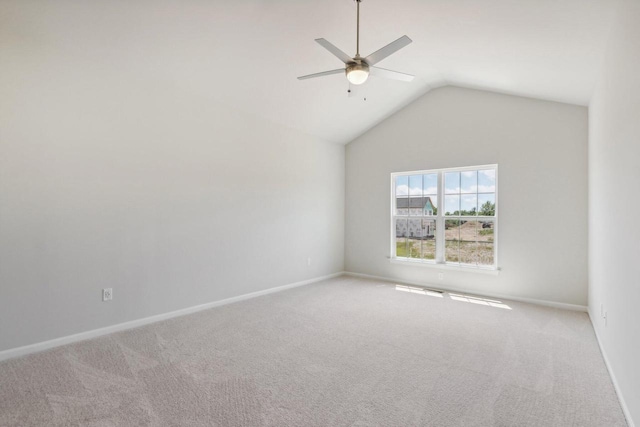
{"points": [[357, 69]]}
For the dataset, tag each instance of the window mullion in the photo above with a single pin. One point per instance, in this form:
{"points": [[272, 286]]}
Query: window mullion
{"points": [[440, 220]]}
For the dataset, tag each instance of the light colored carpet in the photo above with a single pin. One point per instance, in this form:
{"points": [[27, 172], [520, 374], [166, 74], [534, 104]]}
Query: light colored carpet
{"points": [[345, 352]]}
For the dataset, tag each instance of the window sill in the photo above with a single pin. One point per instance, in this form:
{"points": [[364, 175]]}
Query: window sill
{"points": [[450, 267]]}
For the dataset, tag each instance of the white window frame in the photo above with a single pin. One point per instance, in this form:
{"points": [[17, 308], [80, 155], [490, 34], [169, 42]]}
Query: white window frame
{"points": [[440, 218]]}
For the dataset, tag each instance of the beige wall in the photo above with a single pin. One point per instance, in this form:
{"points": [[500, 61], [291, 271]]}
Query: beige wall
{"points": [[541, 150], [614, 204], [108, 179]]}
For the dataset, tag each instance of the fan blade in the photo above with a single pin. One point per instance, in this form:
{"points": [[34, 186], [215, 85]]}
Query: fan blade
{"points": [[389, 74], [392, 47], [337, 52], [324, 73]]}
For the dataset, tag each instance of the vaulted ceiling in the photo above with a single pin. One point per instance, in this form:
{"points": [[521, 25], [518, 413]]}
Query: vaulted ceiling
{"points": [[247, 53]]}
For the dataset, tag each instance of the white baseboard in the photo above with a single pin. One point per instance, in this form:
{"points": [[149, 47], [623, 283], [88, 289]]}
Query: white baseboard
{"points": [[561, 305], [623, 404], [45, 345]]}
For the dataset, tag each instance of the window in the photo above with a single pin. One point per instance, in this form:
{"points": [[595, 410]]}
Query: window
{"points": [[446, 216]]}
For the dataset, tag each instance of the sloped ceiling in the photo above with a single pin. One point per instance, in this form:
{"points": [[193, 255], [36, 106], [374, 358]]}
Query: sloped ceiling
{"points": [[247, 53]]}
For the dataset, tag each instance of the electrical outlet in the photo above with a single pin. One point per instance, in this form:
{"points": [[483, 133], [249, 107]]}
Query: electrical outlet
{"points": [[601, 310], [440, 276], [107, 294], [605, 318], [309, 262]]}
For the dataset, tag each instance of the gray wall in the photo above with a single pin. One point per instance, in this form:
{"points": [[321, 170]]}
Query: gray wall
{"points": [[541, 150], [169, 197], [614, 204]]}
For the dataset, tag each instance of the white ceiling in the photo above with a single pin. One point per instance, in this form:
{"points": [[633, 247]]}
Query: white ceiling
{"points": [[248, 53]]}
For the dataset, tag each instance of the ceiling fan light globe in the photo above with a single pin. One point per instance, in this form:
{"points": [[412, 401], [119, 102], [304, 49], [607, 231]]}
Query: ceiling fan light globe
{"points": [[357, 77], [357, 73]]}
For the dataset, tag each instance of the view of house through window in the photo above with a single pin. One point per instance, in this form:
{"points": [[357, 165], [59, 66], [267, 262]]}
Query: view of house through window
{"points": [[462, 232]]}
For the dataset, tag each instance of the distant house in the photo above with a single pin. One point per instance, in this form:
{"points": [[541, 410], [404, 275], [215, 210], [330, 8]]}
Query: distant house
{"points": [[415, 227]]}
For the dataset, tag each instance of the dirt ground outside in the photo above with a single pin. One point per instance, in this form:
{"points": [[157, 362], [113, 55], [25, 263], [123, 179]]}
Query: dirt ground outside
{"points": [[467, 243]]}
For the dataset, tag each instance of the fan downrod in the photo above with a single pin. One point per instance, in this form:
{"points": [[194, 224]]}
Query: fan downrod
{"points": [[358, 30]]}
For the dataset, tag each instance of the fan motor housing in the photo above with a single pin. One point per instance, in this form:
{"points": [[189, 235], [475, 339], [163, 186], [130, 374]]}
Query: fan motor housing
{"points": [[362, 66]]}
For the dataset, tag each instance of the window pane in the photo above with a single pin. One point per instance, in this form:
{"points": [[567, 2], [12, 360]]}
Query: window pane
{"points": [[452, 238], [415, 185], [416, 206], [401, 238], [452, 205], [485, 254], [486, 204], [402, 186], [428, 239], [468, 245], [402, 194], [451, 251], [485, 231], [468, 252], [469, 182], [452, 182], [414, 228], [487, 181], [468, 230], [402, 206], [469, 203], [430, 183], [414, 238], [430, 208]]}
